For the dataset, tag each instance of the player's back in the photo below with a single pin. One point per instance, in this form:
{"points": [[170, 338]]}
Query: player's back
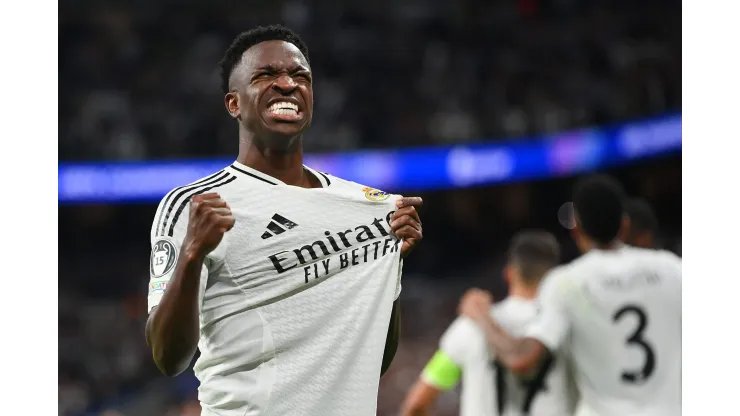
{"points": [[625, 314], [551, 392]]}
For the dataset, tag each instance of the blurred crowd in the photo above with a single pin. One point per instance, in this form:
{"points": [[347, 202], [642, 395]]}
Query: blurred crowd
{"points": [[140, 79]]}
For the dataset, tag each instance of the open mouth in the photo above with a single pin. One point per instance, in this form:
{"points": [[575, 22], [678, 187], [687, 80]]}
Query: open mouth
{"points": [[284, 111]]}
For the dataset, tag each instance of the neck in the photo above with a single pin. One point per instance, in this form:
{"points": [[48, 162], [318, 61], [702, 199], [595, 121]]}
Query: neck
{"points": [[588, 245], [285, 165], [521, 291]]}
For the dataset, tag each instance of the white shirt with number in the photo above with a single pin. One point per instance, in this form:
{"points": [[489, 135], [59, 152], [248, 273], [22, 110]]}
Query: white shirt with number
{"points": [[490, 390], [619, 313], [296, 300]]}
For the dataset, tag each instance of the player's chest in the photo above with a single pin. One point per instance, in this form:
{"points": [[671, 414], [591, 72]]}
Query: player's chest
{"points": [[306, 235]]}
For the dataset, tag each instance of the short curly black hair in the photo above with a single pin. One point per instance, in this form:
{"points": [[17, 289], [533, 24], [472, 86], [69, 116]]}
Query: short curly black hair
{"points": [[642, 216], [598, 202], [247, 39]]}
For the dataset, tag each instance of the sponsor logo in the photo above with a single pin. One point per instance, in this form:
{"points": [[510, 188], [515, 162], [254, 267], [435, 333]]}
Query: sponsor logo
{"points": [[274, 227], [357, 245]]}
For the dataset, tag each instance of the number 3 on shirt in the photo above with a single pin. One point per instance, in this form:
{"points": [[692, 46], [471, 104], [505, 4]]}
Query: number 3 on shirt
{"points": [[636, 339]]}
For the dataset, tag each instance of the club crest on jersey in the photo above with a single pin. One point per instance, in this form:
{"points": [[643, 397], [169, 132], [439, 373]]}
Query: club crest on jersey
{"points": [[375, 194], [164, 256]]}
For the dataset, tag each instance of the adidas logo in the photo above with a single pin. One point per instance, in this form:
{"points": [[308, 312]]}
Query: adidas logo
{"points": [[277, 229]]}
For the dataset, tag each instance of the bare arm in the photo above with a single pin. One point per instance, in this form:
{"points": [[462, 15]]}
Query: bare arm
{"points": [[393, 337], [520, 355], [172, 328], [405, 225], [420, 399]]}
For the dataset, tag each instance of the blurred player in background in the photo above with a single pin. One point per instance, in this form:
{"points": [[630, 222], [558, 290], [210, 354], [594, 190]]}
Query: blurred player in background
{"points": [[287, 279], [643, 224], [489, 389], [616, 309]]}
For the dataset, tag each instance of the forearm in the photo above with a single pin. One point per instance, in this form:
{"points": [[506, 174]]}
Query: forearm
{"points": [[415, 411], [420, 400], [172, 330], [392, 338], [518, 354]]}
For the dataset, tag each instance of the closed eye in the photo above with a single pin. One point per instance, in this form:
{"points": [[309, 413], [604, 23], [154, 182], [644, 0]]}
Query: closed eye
{"points": [[304, 76], [261, 75]]}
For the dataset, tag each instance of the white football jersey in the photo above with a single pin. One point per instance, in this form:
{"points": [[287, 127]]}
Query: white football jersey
{"points": [[618, 312], [296, 300], [488, 389]]}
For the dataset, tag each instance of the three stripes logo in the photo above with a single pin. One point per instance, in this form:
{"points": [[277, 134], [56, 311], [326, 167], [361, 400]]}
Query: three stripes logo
{"points": [[275, 226]]}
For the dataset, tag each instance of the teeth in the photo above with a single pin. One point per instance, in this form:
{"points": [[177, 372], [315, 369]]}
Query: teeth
{"points": [[283, 107]]}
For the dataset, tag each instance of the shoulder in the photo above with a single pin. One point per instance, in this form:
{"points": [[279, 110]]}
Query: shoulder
{"points": [[662, 260], [514, 313], [348, 187], [669, 257], [565, 272], [205, 184], [460, 331], [339, 183], [173, 206], [670, 264], [559, 282]]}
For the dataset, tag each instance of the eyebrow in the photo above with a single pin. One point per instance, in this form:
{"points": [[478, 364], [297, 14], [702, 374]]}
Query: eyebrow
{"points": [[274, 69]]}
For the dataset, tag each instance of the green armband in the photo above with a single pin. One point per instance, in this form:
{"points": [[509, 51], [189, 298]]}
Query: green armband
{"points": [[442, 372]]}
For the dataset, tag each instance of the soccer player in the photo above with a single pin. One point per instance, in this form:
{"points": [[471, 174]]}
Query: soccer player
{"points": [[488, 389], [285, 278], [616, 309], [643, 223]]}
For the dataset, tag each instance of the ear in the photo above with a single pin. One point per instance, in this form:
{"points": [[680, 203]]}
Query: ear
{"points": [[231, 101], [509, 274], [575, 232]]}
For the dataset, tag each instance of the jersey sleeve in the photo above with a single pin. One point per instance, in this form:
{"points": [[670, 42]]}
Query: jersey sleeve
{"points": [[552, 323], [167, 234], [458, 338], [445, 368]]}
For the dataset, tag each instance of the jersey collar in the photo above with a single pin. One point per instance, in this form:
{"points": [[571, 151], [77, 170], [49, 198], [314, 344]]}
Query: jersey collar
{"points": [[322, 178]]}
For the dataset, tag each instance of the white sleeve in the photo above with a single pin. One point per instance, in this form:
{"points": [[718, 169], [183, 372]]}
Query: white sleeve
{"points": [[167, 234], [457, 340], [552, 324]]}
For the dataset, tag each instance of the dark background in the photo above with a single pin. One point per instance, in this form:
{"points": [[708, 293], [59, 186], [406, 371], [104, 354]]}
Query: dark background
{"points": [[139, 80]]}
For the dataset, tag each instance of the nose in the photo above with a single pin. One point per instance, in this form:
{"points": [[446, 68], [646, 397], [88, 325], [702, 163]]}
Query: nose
{"points": [[284, 84]]}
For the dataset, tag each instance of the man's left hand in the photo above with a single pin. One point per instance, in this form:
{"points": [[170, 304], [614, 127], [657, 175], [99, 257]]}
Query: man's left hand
{"points": [[405, 223]]}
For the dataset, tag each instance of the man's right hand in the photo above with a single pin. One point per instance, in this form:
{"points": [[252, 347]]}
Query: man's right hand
{"points": [[475, 304], [210, 218]]}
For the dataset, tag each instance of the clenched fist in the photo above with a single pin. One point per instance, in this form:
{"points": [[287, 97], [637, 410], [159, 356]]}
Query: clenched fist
{"points": [[475, 304], [405, 223], [210, 218]]}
